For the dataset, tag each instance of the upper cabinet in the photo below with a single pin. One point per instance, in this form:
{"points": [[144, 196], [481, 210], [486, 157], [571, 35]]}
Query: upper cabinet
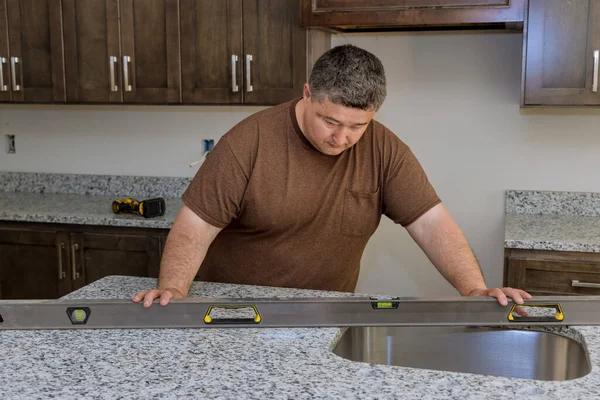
{"points": [[562, 53], [274, 51], [31, 51], [349, 15], [155, 51], [211, 51], [122, 51], [242, 51]]}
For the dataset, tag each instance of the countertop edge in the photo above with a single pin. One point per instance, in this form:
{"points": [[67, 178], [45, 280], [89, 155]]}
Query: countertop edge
{"points": [[95, 221]]}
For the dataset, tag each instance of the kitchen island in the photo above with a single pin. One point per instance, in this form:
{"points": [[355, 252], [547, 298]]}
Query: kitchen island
{"points": [[244, 363]]}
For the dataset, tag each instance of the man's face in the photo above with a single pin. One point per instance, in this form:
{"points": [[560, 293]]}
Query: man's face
{"points": [[332, 128]]}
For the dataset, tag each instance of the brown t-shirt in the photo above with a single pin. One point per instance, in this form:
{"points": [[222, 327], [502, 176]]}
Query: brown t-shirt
{"points": [[293, 216]]}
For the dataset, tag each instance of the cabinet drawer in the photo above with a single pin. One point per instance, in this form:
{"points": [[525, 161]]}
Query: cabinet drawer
{"points": [[553, 277]]}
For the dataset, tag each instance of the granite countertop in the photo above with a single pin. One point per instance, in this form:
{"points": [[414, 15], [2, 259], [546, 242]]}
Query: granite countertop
{"points": [[83, 209], [558, 221], [248, 363], [85, 199]]}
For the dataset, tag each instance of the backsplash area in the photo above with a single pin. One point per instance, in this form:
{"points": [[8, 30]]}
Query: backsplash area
{"points": [[548, 202], [98, 185]]}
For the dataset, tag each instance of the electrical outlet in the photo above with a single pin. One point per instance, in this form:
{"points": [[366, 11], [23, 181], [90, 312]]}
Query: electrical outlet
{"points": [[10, 149]]}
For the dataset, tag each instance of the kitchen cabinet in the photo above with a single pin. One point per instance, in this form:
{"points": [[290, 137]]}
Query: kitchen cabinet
{"points": [[349, 15], [122, 51], [549, 273], [211, 51], [51, 260], [31, 51], [34, 264], [96, 255], [561, 53], [245, 51]]}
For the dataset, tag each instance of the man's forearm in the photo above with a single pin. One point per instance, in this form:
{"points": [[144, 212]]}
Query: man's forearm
{"points": [[186, 247], [446, 247]]}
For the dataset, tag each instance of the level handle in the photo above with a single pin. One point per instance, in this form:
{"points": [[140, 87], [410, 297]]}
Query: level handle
{"points": [[230, 316], [557, 317]]}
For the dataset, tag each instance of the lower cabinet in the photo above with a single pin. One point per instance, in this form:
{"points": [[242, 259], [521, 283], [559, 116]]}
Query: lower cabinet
{"points": [[47, 261], [553, 273]]}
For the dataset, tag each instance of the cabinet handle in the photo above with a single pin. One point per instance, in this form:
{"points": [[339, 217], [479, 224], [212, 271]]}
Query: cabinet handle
{"points": [[13, 70], [234, 85], [61, 273], [112, 60], [126, 85], [249, 87], [585, 284], [3, 87], [596, 62], [74, 249]]}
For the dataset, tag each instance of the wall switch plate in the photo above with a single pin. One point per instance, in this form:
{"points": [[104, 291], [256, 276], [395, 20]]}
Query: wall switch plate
{"points": [[11, 149]]}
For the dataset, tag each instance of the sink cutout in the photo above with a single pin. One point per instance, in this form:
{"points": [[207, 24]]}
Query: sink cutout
{"points": [[486, 351]]}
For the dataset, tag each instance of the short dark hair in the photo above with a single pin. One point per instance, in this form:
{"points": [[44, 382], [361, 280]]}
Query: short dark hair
{"points": [[350, 76]]}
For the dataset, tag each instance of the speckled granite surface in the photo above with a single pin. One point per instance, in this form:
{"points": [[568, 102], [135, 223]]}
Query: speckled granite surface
{"points": [[558, 221], [237, 363], [546, 202], [78, 209], [99, 185]]}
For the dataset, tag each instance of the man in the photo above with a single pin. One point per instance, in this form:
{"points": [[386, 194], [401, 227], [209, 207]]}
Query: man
{"points": [[291, 195]]}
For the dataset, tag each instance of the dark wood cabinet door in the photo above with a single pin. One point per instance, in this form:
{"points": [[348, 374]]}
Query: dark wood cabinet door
{"points": [[5, 92], [97, 255], [36, 50], [211, 51], [34, 264], [559, 44], [274, 52], [92, 55], [373, 14], [150, 59]]}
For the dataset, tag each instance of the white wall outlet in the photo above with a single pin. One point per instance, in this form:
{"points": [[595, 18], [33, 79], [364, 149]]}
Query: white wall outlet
{"points": [[10, 148]]}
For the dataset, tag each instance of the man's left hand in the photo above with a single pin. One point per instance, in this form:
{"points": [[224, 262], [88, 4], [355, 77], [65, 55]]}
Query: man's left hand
{"points": [[501, 294]]}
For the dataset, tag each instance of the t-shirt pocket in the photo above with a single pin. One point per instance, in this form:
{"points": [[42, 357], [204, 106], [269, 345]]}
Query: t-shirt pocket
{"points": [[361, 213]]}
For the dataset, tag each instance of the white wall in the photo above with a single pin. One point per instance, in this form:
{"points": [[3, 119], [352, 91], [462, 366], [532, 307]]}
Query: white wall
{"points": [[453, 97]]}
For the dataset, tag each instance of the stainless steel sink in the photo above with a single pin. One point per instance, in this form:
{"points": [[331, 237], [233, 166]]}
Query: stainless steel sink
{"points": [[486, 351]]}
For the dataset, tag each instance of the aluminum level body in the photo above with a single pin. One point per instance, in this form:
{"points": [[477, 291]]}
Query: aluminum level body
{"points": [[294, 312]]}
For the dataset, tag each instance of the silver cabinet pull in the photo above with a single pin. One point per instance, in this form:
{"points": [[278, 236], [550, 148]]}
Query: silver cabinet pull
{"points": [[3, 87], [61, 273], [126, 85], [112, 60], [74, 249], [13, 70], [596, 67], [249, 87], [234, 85], [584, 284]]}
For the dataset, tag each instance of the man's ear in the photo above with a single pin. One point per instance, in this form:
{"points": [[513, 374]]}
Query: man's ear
{"points": [[306, 92]]}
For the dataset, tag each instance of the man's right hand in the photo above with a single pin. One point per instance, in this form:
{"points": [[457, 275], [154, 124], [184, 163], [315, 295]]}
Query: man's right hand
{"points": [[165, 296]]}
